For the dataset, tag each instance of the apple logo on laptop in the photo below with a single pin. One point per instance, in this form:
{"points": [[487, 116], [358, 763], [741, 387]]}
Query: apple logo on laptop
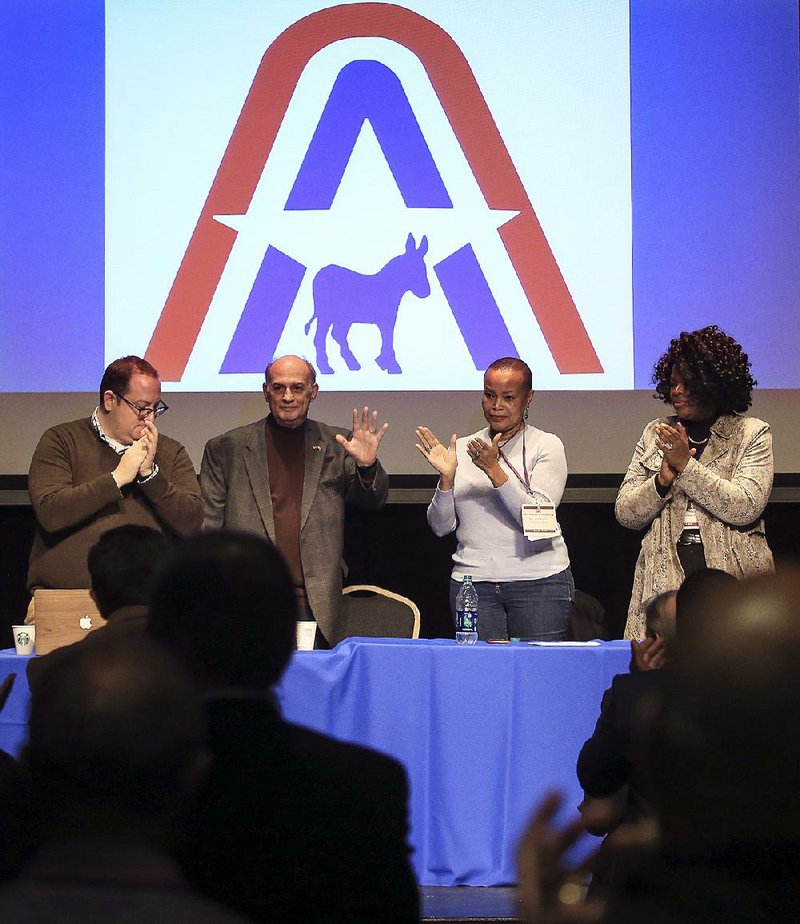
{"points": [[85, 622]]}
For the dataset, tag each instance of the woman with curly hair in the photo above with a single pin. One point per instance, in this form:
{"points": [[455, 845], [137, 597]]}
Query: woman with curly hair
{"points": [[699, 479]]}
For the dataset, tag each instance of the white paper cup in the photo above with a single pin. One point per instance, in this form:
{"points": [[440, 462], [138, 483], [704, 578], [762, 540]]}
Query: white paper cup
{"points": [[306, 633], [24, 639]]}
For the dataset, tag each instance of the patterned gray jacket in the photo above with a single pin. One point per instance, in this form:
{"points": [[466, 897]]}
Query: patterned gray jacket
{"points": [[730, 487]]}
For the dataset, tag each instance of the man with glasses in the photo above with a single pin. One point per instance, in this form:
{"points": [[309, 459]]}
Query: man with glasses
{"points": [[107, 470]]}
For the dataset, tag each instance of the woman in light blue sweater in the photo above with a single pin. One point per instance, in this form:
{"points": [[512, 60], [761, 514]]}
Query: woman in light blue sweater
{"points": [[499, 489]]}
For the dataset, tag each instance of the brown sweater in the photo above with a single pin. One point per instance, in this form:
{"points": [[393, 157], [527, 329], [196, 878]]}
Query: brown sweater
{"points": [[75, 500]]}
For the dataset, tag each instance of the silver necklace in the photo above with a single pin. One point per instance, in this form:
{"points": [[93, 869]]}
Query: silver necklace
{"points": [[697, 442]]}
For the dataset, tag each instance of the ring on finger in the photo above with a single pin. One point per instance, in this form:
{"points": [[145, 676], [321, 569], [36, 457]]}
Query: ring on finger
{"points": [[572, 893]]}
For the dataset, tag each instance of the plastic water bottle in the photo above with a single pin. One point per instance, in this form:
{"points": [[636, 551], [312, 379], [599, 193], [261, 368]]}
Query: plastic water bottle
{"points": [[467, 613]]}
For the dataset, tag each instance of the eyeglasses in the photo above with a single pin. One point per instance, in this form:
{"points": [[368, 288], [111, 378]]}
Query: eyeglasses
{"points": [[145, 411]]}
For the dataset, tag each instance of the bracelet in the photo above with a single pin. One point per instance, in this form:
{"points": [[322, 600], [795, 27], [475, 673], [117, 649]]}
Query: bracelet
{"points": [[149, 477]]}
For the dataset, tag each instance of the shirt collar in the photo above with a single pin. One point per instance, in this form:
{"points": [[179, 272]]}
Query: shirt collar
{"points": [[119, 448]]}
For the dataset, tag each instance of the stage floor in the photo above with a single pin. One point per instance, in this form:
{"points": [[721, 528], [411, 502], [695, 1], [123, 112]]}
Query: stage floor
{"points": [[453, 904]]}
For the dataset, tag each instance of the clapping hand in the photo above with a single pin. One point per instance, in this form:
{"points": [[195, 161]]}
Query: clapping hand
{"points": [[150, 438], [363, 444], [486, 457], [131, 462], [674, 445], [441, 457]]}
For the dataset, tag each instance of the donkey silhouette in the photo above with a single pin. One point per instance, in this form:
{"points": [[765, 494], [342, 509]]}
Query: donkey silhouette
{"points": [[343, 297]]}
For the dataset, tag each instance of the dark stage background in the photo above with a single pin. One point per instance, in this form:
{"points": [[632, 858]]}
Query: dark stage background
{"points": [[395, 549]]}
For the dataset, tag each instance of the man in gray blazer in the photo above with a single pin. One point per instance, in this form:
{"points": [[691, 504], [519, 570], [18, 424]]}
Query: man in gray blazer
{"points": [[288, 478]]}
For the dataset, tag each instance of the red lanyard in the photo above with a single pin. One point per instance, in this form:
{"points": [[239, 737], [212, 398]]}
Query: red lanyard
{"points": [[525, 482]]}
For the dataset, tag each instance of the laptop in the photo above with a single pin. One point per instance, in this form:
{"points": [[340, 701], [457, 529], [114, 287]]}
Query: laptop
{"points": [[62, 617]]}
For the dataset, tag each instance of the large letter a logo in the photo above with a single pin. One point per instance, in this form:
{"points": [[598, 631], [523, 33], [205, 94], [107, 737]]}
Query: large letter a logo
{"points": [[252, 141]]}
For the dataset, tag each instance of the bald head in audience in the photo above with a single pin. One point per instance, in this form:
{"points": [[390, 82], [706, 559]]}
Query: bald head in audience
{"points": [[725, 756], [659, 615]]}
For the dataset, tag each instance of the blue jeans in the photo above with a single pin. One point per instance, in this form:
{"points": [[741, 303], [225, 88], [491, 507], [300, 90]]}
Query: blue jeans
{"points": [[527, 610]]}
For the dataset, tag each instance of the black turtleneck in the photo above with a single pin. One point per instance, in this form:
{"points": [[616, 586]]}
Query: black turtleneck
{"points": [[698, 432]]}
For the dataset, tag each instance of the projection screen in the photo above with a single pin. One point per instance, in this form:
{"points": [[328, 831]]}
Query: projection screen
{"points": [[400, 193]]}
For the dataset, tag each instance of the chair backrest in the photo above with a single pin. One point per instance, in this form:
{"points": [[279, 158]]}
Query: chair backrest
{"points": [[373, 612], [60, 617], [588, 619]]}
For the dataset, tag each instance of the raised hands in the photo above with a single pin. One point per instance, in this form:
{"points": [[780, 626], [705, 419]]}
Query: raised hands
{"points": [[138, 459], [674, 444], [487, 458], [442, 458], [130, 462], [363, 444], [550, 890], [150, 437]]}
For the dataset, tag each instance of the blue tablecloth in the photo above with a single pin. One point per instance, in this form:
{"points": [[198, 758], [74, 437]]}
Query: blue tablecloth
{"points": [[14, 718], [483, 731]]}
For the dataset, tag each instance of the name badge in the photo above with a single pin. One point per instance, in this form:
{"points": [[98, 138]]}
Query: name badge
{"points": [[539, 522]]}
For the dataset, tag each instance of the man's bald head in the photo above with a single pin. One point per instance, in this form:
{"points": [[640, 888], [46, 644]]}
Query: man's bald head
{"points": [[659, 615]]}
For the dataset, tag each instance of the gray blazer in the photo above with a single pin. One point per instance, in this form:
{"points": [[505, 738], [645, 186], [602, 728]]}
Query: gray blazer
{"points": [[234, 481], [730, 486]]}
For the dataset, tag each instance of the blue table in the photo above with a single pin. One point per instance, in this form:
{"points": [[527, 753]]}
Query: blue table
{"points": [[483, 731]]}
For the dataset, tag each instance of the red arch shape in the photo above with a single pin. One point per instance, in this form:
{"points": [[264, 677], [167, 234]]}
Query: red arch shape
{"points": [[254, 135]]}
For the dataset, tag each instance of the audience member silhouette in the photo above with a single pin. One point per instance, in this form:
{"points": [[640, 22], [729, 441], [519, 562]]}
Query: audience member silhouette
{"points": [[611, 763], [721, 754], [612, 757], [17, 839], [121, 566], [115, 754], [291, 825]]}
